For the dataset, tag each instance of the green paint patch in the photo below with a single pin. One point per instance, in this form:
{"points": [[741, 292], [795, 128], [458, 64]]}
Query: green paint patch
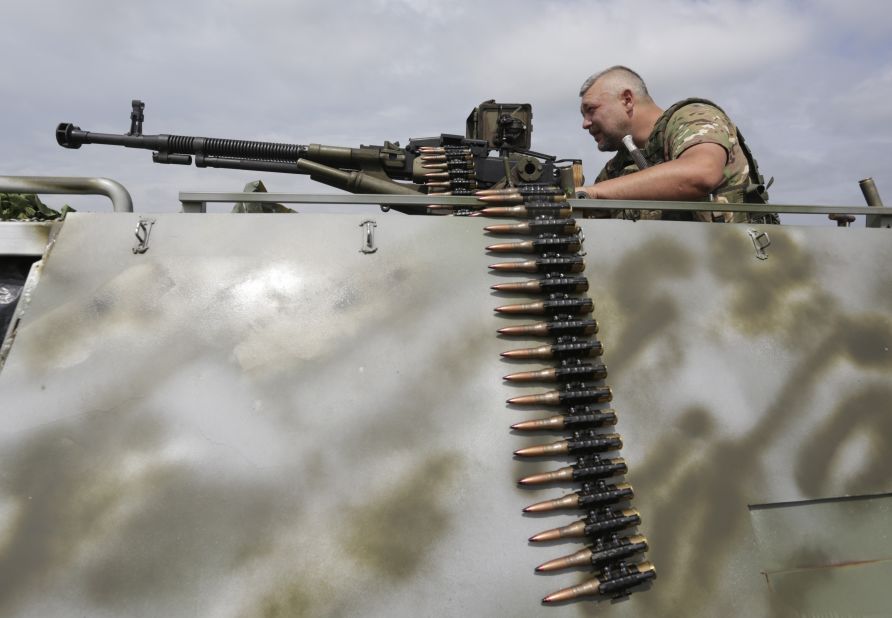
{"points": [[776, 296], [298, 598], [864, 415], [867, 340], [395, 533], [648, 310], [643, 269]]}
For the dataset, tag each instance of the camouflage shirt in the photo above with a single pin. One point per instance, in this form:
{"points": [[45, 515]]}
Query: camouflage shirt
{"points": [[691, 124]]}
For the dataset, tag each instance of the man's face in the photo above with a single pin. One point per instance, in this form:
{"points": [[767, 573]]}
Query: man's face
{"points": [[605, 117]]}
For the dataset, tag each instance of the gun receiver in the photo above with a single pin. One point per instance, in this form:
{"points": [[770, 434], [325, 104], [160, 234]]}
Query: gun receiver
{"points": [[447, 164]]}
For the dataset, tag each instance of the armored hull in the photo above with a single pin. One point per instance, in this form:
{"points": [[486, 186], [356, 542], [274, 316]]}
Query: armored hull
{"points": [[255, 417]]}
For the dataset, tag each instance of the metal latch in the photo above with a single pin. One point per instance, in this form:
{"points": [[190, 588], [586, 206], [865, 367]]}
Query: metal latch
{"points": [[143, 229], [760, 242], [368, 236]]}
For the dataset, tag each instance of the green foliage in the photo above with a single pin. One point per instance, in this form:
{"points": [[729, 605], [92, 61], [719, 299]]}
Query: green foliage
{"points": [[28, 207]]}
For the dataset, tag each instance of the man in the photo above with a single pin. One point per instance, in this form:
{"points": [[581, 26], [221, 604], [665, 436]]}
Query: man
{"points": [[694, 150]]}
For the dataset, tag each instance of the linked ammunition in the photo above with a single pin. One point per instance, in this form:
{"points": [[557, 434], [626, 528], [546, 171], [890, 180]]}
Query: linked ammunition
{"points": [[591, 494], [601, 553], [545, 264], [599, 418], [436, 175], [561, 325], [508, 199], [536, 226], [569, 370], [597, 523], [552, 283], [516, 197], [432, 157], [525, 190], [584, 440], [613, 582], [434, 166], [563, 348], [444, 149], [585, 468], [557, 304], [570, 396], [528, 211], [545, 243], [460, 171], [462, 183]]}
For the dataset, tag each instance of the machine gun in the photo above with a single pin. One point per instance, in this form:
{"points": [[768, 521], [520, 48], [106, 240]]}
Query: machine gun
{"points": [[443, 165]]}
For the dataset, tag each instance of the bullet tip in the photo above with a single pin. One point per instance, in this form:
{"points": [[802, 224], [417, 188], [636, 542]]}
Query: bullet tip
{"points": [[561, 595], [537, 508], [548, 535]]}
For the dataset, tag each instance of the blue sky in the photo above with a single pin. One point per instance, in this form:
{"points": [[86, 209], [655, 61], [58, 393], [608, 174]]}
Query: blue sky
{"points": [[808, 83]]}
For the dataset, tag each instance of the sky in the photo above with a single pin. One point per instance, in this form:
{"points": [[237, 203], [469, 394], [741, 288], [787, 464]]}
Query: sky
{"points": [[809, 84]]}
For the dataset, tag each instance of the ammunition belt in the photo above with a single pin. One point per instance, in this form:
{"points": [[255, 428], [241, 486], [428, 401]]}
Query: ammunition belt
{"points": [[451, 170], [581, 395]]}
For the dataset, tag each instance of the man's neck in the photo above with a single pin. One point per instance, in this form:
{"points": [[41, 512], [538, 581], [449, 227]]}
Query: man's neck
{"points": [[646, 115]]}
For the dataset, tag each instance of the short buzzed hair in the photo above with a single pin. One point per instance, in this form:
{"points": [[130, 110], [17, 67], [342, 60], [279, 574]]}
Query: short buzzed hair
{"points": [[620, 78]]}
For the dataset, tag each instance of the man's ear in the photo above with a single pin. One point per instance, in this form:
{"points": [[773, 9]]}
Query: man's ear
{"points": [[627, 98]]}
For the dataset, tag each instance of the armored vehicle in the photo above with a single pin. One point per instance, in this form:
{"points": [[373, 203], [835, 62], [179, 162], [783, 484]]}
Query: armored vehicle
{"points": [[512, 410]]}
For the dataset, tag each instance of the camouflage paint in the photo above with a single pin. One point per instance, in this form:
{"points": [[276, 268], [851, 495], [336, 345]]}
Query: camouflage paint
{"points": [[255, 419]]}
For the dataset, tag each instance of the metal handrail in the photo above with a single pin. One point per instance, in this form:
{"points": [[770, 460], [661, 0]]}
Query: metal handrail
{"points": [[470, 201], [70, 185]]}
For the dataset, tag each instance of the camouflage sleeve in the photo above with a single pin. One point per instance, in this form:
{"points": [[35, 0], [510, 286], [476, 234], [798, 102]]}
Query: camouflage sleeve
{"points": [[620, 165], [603, 175], [699, 123]]}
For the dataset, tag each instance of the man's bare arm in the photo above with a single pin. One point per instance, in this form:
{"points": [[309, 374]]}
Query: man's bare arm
{"points": [[692, 176]]}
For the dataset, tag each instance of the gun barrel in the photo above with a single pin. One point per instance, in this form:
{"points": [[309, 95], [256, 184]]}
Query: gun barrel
{"points": [[71, 136], [315, 160]]}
